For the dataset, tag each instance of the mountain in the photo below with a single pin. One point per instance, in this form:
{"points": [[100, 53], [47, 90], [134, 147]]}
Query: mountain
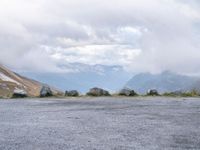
{"points": [[164, 82], [10, 81], [84, 77]]}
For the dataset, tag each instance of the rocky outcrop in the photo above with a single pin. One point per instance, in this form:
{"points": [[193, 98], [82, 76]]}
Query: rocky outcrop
{"points": [[46, 92], [153, 92], [19, 93], [127, 92], [72, 93], [98, 92]]}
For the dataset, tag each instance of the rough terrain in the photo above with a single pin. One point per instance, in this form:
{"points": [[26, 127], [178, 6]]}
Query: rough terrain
{"points": [[11, 81], [100, 123]]}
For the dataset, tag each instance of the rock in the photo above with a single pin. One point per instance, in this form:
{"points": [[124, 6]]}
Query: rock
{"points": [[153, 92], [98, 92], [19, 93], [127, 92], [46, 92], [66, 93], [73, 93]]}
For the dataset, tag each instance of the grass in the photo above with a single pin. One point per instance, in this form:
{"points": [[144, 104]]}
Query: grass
{"points": [[192, 93]]}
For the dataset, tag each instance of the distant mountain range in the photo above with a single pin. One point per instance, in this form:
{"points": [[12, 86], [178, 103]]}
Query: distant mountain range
{"points": [[163, 82], [84, 77], [10, 81], [111, 78]]}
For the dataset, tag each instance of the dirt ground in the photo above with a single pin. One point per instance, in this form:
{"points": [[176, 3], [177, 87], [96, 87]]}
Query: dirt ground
{"points": [[100, 124]]}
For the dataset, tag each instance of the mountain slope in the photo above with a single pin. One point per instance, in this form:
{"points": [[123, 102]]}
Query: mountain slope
{"points": [[9, 81], [164, 82], [111, 78]]}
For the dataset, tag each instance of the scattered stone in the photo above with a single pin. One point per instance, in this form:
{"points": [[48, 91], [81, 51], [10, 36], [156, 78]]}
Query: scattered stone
{"points": [[98, 92], [72, 93], [19, 93], [127, 92], [46, 92], [153, 92]]}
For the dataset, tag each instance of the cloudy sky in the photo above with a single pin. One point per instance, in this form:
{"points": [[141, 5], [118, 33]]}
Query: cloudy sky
{"points": [[139, 35]]}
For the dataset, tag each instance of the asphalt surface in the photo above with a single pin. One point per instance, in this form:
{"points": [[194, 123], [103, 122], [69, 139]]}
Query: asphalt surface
{"points": [[100, 124]]}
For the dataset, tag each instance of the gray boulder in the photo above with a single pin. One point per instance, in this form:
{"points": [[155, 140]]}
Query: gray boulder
{"points": [[127, 92], [19, 93], [72, 93], [98, 92], [153, 92], [46, 92]]}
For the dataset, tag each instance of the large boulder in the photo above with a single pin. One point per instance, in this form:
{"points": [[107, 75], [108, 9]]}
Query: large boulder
{"points": [[98, 92], [19, 93], [72, 93], [127, 92], [153, 92], [46, 92]]}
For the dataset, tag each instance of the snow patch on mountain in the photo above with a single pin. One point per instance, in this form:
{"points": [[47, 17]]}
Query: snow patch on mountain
{"points": [[3, 77]]}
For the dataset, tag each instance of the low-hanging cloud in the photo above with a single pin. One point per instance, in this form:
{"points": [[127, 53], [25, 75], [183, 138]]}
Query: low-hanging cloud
{"points": [[139, 35]]}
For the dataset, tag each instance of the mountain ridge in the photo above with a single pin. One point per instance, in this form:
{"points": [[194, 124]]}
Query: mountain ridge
{"points": [[111, 78], [164, 82], [10, 81]]}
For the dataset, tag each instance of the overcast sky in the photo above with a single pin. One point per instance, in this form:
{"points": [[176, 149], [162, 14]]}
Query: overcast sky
{"points": [[139, 35]]}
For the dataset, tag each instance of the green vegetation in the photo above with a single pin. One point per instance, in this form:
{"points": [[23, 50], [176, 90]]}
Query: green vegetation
{"points": [[192, 93], [170, 94]]}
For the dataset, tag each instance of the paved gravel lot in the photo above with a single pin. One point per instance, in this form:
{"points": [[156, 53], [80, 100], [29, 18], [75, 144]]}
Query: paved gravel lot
{"points": [[100, 124]]}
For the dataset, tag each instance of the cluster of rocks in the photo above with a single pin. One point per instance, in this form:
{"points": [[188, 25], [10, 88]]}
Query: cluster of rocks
{"points": [[72, 93], [44, 92], [127, 92], [19, 93], [153, 92], [98, 92], [47, 92]]}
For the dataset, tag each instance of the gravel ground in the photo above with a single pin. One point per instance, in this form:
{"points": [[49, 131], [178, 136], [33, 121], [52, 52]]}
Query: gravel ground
{"points": [[100, 124]]}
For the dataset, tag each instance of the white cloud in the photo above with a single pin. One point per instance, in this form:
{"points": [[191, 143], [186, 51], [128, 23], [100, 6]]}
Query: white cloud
{"points": [[140, 35], [96, 54]]}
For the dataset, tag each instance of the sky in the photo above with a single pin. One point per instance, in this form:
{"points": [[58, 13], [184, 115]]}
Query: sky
{"points": [[138, 35]]}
